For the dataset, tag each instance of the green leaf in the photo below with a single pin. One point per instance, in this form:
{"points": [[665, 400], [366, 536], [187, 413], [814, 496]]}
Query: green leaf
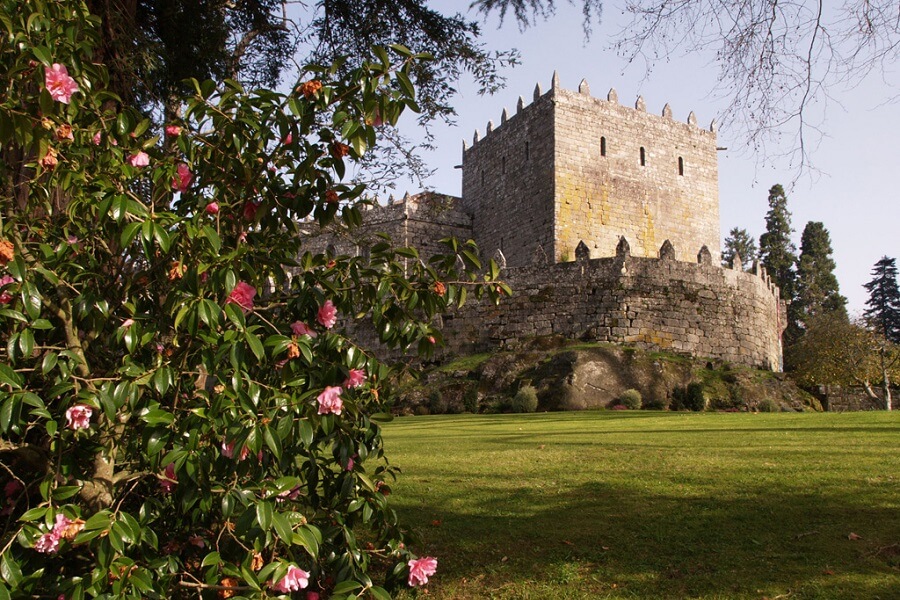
{"points": [[345, 587], [10, 377], [158, 416], [304, 537], [379, 593], [273, 443], [283, 528], [382, 417], [129, 233], [306, 432], [210, 234], [34, 514], [10, 571], [255, 345], [212, 558], [32, 299], [42, 54], [264, 515]]}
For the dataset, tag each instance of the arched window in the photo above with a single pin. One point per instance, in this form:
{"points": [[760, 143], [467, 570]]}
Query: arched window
{"points": [[602, 146], [680, 166], [643, 157]]}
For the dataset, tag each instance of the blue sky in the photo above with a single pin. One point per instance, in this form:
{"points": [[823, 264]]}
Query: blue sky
{"points": [[854, 194]]}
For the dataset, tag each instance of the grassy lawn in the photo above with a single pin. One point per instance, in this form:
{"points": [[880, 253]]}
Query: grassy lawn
{"points": [[653, 505]]}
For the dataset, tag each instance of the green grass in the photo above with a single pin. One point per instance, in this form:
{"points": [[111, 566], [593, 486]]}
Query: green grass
{"points": [[653, 505]]}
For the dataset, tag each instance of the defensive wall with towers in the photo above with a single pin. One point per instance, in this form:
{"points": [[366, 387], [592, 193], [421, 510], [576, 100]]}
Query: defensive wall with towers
{"points": [[605, 220]]}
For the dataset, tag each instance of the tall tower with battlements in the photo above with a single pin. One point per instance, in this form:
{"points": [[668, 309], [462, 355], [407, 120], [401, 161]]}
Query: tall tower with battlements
{"points": [[570, 167]]}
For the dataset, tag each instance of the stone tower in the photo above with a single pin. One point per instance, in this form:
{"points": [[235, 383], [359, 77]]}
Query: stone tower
{"points": [[570, 167]]}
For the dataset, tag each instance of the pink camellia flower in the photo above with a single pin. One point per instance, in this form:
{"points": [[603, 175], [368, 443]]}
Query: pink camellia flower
{"points": [[127, 323], [47, 543], [173, 130], [228, 449], [288, 139], [327, 315], [79, 416], [59, 84], [183, 177], [350, 464], [250, 209], [98, 137], [242, 295], [301, 328], [421, 569], [354, 379], [312, 595], [12, 488], [295, 580], [212, 208], [6, 297], [330, 401], [141, 159], [168, 480]]}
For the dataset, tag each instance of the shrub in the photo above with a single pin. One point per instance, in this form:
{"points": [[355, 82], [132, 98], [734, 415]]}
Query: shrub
{"points": [[181, 411], [525, 400], [689, 398], [656, 403], [470, 400], [767, 405], [437, 404], [631, 399]]}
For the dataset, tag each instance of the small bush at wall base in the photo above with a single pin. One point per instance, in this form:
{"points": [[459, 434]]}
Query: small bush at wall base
{"points": [[437, 404], [656, 403], [689, 398], [631, 399], [525, 400], [470, 400], [767, 405]]}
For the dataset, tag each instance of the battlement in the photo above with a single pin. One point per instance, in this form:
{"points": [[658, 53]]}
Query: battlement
{"points": [[584, 89]]}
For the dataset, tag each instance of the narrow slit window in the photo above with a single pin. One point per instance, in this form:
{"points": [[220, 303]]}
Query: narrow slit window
{"points": [[482, 177], [527, 151], [680, 166], [643, 157], [602, 146], [503, 165]]}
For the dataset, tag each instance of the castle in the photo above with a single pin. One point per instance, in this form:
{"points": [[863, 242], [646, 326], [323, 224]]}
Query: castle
{"points": [[605, 220]]}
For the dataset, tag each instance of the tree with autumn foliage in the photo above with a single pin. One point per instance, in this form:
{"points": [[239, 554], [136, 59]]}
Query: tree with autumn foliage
{"points": [[181, 409]]}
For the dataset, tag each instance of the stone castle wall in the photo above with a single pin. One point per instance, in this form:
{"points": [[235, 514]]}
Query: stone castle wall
{"points": [[570, 167], [655, 303], [507, 183], [418, 221]]}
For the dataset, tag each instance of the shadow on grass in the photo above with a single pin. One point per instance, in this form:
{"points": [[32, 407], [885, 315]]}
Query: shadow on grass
{"points": [[616, 542]]}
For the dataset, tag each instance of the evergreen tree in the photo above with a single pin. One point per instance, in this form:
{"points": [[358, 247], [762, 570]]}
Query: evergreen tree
{"points": [[817, 286], [883, 312], [776, 252], [740, 242]]}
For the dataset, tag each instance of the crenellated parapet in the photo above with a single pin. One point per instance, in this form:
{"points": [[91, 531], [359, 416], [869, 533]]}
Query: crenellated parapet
{"points": [[696, 308]]}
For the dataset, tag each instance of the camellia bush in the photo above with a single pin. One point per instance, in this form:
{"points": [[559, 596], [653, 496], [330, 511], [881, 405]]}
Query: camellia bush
{"points": [[181, 411]]}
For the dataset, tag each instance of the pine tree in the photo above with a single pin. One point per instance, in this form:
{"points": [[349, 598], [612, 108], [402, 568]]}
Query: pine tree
{"points": [[776, 252], [739, 242], [817, 286], [883, 312]]}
